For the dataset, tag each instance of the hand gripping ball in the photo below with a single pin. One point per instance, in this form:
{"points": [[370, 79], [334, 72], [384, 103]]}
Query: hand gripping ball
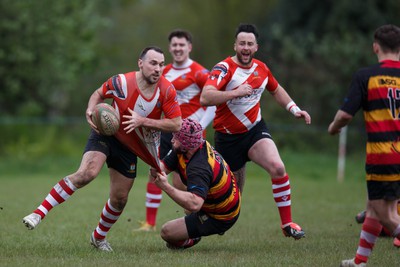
{"points": [[106, 118]]}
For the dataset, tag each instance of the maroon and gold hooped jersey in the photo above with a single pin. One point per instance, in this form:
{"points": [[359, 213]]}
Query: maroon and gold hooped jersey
{"points": [[376, 89], [207, 175]]}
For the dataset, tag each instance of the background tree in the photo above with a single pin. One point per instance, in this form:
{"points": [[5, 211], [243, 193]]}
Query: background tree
{"points": [[46, 48]]}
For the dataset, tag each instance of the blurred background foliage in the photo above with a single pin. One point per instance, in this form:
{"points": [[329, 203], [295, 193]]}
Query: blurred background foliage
{"points": [[53, 55]]}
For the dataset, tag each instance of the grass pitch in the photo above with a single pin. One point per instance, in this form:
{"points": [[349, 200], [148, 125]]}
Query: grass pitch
{"points": [[322, 206]]}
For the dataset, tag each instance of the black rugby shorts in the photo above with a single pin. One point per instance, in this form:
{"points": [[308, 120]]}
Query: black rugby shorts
{"points": [[200, 224], [234, 148], [383, 190], [119, 157]]}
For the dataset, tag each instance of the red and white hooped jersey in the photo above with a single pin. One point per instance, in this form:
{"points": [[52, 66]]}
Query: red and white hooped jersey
{"points": [[240, 114], [188, 81], [124, 91]]}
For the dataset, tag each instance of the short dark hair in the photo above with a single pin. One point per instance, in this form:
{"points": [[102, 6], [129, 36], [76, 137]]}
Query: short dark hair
{"points": [[251, 28], [388, 37], [179, 33], [147, 49]]}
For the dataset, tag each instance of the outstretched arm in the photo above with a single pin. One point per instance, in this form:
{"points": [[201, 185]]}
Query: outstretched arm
{"points": [[284, 100], [341, 119]]}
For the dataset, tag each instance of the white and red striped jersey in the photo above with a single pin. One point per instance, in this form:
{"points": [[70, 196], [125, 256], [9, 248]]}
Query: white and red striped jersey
{"points": [[240, 114], [188, 81], [124, 91]]}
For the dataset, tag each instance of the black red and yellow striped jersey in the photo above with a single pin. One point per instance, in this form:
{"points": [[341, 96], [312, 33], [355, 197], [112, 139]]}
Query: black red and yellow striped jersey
{"points": [[376, 89], [207, 175]]}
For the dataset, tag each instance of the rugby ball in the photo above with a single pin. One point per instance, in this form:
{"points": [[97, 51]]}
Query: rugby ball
{"points": [[106, 119]]}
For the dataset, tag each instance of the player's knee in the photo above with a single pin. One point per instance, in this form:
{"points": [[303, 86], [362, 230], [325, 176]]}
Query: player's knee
{"points": [[277, 169], [165, 232], [82, 177], [119, 202]]}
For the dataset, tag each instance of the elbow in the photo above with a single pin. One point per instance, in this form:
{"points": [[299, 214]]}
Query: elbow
{"points": [[344, 117], [177, 125], [205, 97], [195, 204], [203, 101], [193, 208]]}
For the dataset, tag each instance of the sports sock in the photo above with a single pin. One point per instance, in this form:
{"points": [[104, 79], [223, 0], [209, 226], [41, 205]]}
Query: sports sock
{"points": [[108, 217], [396, 232], [58, 194], [183, 244], [281, 193], [153, 201], [370, 231]]}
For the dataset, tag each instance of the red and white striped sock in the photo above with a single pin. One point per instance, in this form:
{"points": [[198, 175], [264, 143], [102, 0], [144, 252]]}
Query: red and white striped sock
{"points": [[58, 194], [153, 201], [370, 231], [108, 217], [281, 193]]}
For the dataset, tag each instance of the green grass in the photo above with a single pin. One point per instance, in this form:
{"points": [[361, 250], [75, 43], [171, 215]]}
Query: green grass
{"points": [[321, 205]]}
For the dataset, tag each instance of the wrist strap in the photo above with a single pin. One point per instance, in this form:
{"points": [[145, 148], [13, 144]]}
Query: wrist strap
{"points": [[292, 107]]}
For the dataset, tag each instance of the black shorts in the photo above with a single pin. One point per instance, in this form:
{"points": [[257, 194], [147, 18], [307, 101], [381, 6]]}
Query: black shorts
{"points": [[165, 144], [383, 190], [119, 157], [234, 148], [200, 224]]}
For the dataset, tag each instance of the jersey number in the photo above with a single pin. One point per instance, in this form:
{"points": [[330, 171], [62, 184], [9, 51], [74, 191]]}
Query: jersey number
{"points": [[394, 95]]}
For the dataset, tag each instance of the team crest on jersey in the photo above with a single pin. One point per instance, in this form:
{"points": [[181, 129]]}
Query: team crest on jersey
{"points": [[221, 72], [220, 68], [117, 85], [255, 73]]}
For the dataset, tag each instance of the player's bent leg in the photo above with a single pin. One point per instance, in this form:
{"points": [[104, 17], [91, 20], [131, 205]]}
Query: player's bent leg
{"points": [[265, 154], [90, 167], [175, 234]]}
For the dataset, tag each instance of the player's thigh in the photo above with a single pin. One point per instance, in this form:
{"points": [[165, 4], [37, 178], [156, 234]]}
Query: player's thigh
{"points": [[265, 153]]}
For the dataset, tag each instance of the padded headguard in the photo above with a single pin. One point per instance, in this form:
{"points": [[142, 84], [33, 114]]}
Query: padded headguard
{"points": [[190, 135]]}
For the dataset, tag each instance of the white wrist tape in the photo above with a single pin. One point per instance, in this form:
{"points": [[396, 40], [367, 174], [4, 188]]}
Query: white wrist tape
{"points": [[292, 107]]}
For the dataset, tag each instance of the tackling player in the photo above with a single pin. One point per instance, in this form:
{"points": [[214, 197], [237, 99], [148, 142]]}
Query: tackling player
{"points": [[212, 197]]}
